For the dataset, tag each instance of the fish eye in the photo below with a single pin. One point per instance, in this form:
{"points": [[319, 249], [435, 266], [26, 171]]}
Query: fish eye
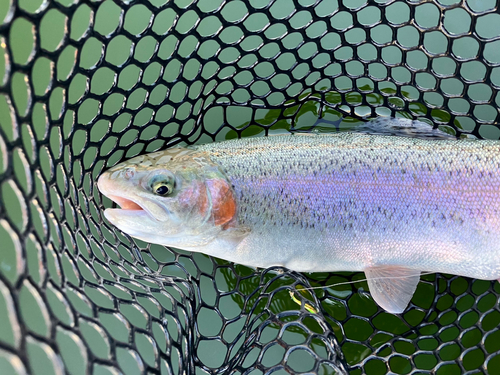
{"points": [[163, 187]]}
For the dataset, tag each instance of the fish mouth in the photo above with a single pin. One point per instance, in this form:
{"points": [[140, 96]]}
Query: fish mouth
{"points": [[131, 205], [145, 210], [129, 210], [125, 204]]}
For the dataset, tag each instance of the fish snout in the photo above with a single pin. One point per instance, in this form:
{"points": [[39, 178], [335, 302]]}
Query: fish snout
{"points": [[104, 184], [129, 197]]}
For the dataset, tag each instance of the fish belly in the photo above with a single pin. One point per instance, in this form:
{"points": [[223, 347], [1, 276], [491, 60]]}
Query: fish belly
{"points": [[346, 202], [418, 248]]}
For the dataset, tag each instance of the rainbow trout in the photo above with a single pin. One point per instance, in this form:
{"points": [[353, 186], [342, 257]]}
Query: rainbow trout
{"points": [[391, 206]]}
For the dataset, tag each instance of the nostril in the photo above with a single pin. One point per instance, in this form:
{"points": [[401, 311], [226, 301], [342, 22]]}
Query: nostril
{"points": [[129, 173]]}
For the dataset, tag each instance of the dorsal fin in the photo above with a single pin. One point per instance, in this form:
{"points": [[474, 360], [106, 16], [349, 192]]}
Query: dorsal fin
{"points": [[402, 127]]}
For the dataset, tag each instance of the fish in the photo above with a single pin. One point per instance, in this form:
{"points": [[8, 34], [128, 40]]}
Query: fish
{"points": [[392, 206]]}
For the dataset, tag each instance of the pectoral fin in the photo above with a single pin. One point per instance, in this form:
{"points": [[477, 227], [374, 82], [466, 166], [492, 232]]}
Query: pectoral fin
{"points": [[392, 287]]}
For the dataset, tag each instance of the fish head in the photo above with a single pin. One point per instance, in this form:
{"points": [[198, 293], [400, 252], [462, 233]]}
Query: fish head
{"points": [[177, 197]]}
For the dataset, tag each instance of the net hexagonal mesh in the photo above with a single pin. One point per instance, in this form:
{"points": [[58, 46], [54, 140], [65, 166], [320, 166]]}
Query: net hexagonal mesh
{"points": [[84, 85]]}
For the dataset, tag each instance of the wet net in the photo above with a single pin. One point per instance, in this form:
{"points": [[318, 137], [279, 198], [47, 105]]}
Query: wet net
{"points": [[84, 85]]}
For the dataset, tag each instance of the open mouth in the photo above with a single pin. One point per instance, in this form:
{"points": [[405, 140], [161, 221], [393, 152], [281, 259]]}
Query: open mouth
{"points": [[140, 208], [124, 203]]}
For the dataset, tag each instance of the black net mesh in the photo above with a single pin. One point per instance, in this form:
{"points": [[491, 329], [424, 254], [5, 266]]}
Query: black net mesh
{"points": [[84, 85]]}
